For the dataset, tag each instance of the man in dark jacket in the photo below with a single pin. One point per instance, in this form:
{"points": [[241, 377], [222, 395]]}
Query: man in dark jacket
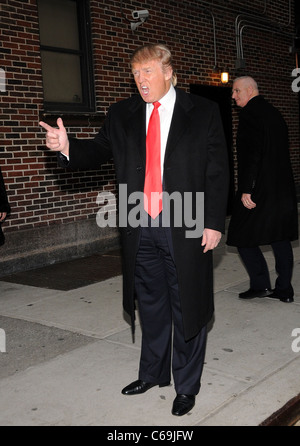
{"points": [[4, 207], [166, 268], [265, 211]]}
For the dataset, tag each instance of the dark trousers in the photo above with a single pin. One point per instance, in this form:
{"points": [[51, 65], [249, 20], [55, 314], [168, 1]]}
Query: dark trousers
{"points": [[257, 267], [160, 313]]}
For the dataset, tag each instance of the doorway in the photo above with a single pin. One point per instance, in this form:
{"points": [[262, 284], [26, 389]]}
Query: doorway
{"points": [[222, 96]]}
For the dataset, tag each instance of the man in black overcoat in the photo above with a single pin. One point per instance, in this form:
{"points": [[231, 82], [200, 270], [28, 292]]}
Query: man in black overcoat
{"points": [[265, 211], [168, 269]]}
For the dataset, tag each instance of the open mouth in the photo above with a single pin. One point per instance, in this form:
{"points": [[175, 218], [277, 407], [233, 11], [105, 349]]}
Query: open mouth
{"points": [[144, 91]]}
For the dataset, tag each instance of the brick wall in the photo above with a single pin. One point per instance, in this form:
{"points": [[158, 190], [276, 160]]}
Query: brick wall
{"points": [[42, 194]]}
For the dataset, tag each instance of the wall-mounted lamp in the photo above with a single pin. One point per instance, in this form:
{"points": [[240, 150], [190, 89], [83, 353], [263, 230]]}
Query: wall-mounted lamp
{"points": [[225, 77]]}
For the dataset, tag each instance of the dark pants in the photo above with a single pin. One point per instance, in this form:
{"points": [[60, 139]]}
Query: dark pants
{"points": [[159, 308], [257, 268]]}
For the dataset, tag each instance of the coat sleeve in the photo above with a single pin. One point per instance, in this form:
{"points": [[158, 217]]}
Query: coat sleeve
{"points": [[216, 175], [88, 154], [250, 149]]}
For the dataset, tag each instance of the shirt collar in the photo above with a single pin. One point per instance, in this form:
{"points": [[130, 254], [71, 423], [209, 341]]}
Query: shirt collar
{"points": [[168, 100]]}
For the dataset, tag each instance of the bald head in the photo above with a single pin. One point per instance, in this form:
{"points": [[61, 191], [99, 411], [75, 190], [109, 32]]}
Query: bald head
{"points": [[244, 89]]}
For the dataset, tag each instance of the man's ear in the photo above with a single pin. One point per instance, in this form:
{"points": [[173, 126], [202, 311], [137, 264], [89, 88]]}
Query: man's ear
{"points": [[168, 73], [250, 90]]}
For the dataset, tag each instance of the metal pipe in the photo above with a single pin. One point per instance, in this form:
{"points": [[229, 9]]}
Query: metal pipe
{"points": [[268, 25], [261, 28]]}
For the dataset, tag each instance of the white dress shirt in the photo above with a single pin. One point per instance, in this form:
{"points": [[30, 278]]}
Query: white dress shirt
{"points": [[165, 113]]}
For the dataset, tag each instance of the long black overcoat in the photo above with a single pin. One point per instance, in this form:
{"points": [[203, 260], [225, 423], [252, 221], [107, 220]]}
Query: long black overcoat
{"points": [[264, 171], [4, 205], [195, 161]]}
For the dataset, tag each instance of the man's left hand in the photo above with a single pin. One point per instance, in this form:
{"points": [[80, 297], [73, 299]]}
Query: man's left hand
{"points": [[210, 239]]}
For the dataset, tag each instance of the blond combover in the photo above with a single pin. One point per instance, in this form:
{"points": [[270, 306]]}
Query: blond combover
{"points": [[154, 52]]}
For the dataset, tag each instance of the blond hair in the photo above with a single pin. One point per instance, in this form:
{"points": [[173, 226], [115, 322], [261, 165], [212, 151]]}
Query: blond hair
{"points": [[158, 52]]}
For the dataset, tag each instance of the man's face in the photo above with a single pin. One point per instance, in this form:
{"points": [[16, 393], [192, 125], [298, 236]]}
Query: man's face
{"points": [[241, 93], [152, 82]]}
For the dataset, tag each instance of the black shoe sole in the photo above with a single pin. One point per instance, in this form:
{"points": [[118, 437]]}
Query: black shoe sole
{"points": [[287, 300], [255, 295], [145, 389]]}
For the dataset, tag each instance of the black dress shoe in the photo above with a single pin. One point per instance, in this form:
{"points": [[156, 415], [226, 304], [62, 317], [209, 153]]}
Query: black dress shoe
{"points": [[139, 386], [282, 299], [183, 404], [250, 294]]}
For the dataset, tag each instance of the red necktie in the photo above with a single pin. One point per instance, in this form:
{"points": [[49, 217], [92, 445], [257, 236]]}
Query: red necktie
{"points": [[153, 185]]}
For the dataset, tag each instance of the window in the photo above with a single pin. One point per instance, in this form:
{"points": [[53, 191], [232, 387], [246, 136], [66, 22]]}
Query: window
{"points": [[66, 56]]}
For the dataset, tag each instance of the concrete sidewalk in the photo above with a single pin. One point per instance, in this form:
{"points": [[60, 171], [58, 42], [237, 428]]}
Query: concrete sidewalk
{"points": [[70, 352]]}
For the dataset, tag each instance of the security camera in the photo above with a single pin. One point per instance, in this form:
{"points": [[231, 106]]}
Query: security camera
{"points": [[142, 15]]}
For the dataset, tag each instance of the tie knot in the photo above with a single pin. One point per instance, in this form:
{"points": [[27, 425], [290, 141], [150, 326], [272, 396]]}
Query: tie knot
{"points": [[156, 105]]}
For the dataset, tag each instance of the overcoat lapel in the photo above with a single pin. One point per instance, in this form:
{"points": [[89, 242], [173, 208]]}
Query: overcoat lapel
{"points": [[180, 122]]}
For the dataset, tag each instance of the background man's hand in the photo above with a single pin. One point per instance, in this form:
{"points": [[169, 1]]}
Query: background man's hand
{"points": [[247, 201]]}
